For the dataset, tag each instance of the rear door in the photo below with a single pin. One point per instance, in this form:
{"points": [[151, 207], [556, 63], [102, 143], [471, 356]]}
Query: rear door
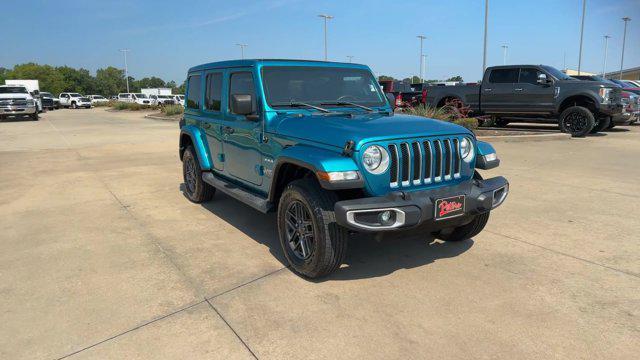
{"points": [[497, 93], [531, 97], [241, 136], [213, 120]]}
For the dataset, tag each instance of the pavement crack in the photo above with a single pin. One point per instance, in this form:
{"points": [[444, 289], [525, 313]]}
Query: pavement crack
{"points": [[232, 329], [134, 328], [246, 283], [565, 254]]}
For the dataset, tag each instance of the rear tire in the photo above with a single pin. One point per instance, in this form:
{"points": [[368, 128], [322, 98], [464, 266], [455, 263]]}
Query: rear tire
{"points": [[313, 243], [74, 105], [34, 116], [499, 122], [577, 121], [601, 124], [195, 189]]}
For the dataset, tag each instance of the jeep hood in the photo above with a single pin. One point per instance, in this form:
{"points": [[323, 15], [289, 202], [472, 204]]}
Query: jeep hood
{"points": [[336, 130]]}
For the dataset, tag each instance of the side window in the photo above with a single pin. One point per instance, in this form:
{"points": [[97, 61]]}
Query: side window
{"points": [[529, 75], [241, 83], [213, 94], [504, 76], [193, 97]]}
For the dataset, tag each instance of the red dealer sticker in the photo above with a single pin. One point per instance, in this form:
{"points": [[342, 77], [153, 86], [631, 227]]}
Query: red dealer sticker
{"points": [[449, 207]]}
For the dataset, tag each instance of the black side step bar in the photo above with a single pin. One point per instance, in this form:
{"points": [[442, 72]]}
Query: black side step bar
{"points": [[256, 202]]}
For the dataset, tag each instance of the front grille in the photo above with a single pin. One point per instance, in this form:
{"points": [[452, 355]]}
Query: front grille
{"points": [[419, 162]]}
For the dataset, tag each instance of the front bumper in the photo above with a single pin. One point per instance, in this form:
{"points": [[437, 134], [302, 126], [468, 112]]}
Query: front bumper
{"points": [[418, 208], [610, 109], [17, 110]]}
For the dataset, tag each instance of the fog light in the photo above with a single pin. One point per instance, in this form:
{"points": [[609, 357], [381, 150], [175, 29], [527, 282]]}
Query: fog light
{"points": [[385, 217]]}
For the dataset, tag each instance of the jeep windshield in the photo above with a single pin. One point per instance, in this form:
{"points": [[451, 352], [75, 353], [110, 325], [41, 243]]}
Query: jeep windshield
{"points": [[284, 86], [13, 90]]}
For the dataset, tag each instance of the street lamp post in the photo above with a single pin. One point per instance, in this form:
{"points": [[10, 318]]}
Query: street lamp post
{"points": [[421, 37], [584, 9], [486, 22], [626, 19], [242, 46], [325, 17], [424, 64], [126, 69], [350, 57], [604, 62], [504, 54]]}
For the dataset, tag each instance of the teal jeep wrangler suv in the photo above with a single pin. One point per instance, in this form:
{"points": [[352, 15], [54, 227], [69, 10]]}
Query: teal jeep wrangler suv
{"points": [[320, 144]]}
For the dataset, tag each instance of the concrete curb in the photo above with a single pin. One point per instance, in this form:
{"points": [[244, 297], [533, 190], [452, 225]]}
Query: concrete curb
{"points": [[523, 138], [163, 118]]}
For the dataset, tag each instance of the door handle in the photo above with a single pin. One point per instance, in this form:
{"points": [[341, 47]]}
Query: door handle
{"points": [[227, 130], [489, 89], [518, 89]]}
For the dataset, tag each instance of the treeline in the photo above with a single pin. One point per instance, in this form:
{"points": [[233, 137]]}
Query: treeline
{"points": [[108, 81], [415, 79]]}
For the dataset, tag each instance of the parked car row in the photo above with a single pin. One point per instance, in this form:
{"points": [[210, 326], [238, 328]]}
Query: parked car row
{"points": [[518, 93], [153, 99]]}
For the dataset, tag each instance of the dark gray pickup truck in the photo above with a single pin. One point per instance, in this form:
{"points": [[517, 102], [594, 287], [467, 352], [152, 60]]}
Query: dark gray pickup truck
{"points": [[536, 91]]}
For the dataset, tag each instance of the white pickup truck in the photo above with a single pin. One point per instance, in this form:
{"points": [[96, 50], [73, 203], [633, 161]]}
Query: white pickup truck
{"points": [[137, 98], [32, 86], [74, 100], [15, 100]]}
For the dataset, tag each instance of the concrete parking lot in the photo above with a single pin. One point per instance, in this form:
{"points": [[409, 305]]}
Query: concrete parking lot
{"points": [[101, 256]]}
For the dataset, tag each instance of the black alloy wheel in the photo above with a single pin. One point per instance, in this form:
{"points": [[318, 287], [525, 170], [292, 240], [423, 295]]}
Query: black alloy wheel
{"points": [[577, 121], [190, 174], [299, 230]]}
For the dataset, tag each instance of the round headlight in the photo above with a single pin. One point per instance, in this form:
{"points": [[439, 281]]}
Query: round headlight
{"points": [[375, 159], [466, 149]]}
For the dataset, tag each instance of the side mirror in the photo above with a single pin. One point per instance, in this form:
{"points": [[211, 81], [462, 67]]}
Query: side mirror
{"points": [[242, 104], [542, 79], [391, 99]]}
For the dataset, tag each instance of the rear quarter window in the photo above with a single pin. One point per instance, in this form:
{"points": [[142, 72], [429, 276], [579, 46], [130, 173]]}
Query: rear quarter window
{"points": [[503, 76], [193, 92]]}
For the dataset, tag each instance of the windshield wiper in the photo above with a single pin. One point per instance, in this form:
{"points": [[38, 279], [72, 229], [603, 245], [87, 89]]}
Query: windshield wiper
{"points": [[347, 103], [302, 104]]}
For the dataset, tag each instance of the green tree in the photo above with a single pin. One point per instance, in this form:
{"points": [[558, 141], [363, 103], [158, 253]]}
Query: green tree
{"points": [[78, 80], [385, 78], [48, 77], [3, 74], [455, 78], [110, 81], [151, 82]]}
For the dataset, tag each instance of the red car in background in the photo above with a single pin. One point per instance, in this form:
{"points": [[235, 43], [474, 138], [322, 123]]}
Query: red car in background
{"points": [[406, 95]]}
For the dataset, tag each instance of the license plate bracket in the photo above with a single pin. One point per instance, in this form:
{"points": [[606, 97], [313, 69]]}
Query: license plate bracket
{"points": [[450, 207]]}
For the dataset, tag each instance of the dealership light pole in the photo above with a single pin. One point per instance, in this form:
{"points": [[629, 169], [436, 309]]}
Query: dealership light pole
{"points": [[242, 46], [486, 22], [421, 37], [584, 9], [626, 19], [424, 63], [126, 70], [325, 17], [350, 57], [505, 48], [604, 62]]}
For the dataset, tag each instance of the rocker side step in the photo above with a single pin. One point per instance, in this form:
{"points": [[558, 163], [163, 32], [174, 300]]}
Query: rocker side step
{"points": [[256, 202]]}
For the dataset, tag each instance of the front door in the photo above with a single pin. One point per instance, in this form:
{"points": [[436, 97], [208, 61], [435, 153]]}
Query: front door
{"points": [[497, 93], [242, 137], [530, 96]]}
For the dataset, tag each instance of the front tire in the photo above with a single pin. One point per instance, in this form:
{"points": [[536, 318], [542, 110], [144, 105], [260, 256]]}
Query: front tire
{"points": [[195, 189], [466, 231], [34, 116], [577, 121], [313, 243]]}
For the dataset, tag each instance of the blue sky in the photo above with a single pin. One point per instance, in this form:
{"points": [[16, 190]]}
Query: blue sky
{"points": [[167, 37]]}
